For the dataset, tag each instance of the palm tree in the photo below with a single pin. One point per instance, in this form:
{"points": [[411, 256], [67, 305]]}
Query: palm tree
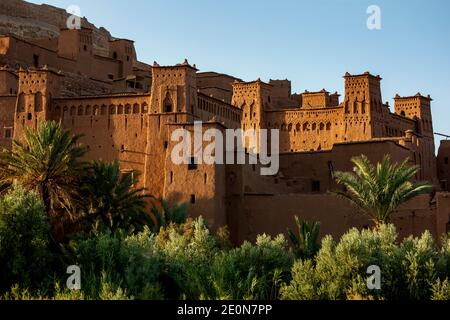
{"points": [[47, 161], [108, 199], [378, 190], [306, 242], [164, 214]]}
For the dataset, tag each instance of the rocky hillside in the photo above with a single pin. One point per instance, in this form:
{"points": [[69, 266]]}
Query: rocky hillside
{"points": [[31, 21]]}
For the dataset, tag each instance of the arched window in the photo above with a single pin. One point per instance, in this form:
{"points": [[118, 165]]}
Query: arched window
{"points": [[38, 102], [298, 127], [168, 106], [65, 112], [290, 127], [88, 110], [329, 126], [144, 107], [127, 109], [80, 110], [322, 126], [112, 109], [306, 126], [135, 108], [96, 110], [314, 126], [120, 109], [403, 113]]}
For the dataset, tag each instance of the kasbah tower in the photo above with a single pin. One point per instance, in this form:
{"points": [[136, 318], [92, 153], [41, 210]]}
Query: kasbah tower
{"points": [[127, 110]]}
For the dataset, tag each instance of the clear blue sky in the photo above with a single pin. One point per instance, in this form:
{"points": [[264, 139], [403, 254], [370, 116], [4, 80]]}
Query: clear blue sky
{"points": [[312, 43]]}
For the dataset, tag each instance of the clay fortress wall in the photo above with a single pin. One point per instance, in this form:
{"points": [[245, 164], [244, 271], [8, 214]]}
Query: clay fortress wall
{"points": [[127, 110]]}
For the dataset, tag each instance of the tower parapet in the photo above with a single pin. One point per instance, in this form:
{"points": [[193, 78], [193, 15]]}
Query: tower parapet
{"points": [[417, 107], [36, 89], [174, 89]]}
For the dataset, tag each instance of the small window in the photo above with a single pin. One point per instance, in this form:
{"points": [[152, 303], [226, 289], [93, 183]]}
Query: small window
{"points": [[192, 165], [166, 144], [8, 133], [29, 116], [36, 60], [85, 47], [114, 55], [316, 186], [192, 198], [446, 160]]}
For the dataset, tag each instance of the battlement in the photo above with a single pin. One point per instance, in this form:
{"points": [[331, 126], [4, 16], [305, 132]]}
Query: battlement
{"points": [[319, 99]]}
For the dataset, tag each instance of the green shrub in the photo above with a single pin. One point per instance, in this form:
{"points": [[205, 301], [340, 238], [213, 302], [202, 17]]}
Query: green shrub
{"points": [[441, 290], [188, 251], [418, 258], [24, 254], [111, 262], [408, 271], [252, 271]]}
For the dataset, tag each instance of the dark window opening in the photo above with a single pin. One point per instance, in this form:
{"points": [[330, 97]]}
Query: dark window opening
{"points": [[192, 165], [128, 58], [446, 160], [85, 47], [36, 60], [167, 107], [166, 144], [111, 76], [29, 116], [8, 133], [316, 186], [114, 55], [192, 198]]}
